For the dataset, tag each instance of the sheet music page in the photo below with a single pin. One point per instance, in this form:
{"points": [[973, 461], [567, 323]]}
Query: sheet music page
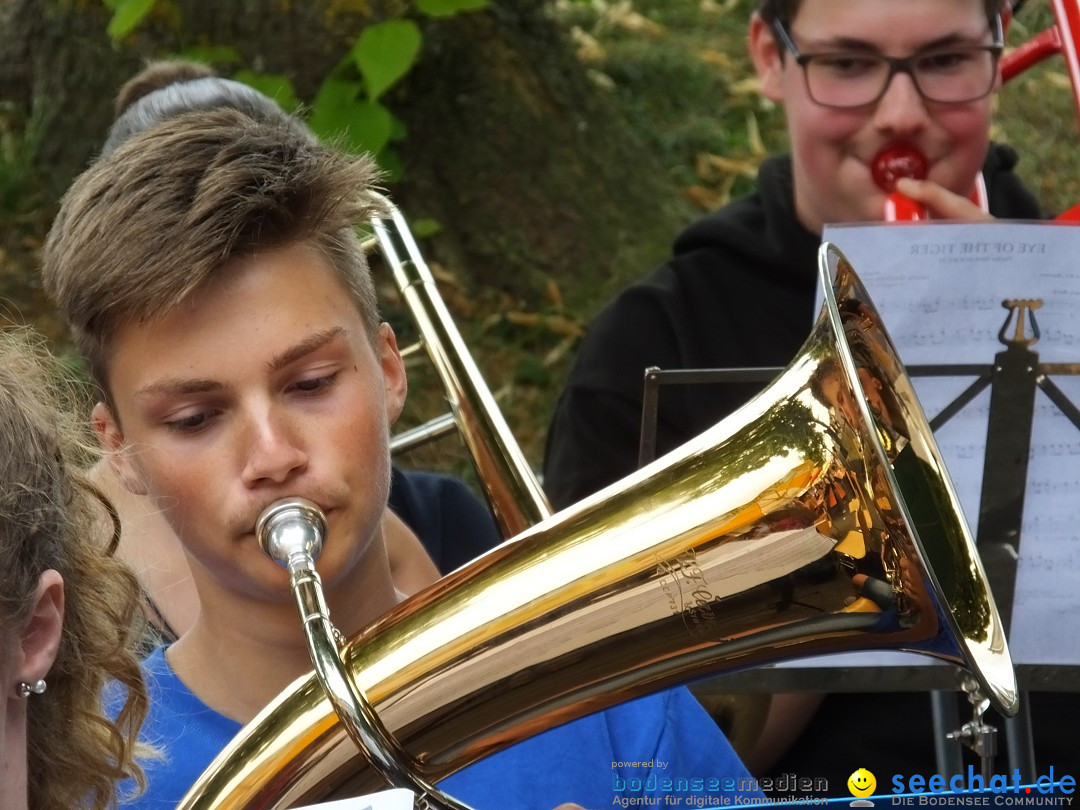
{"points": [[397, 799], [939, 288]]}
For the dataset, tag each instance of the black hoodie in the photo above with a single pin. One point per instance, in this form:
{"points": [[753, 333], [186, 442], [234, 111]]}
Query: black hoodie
{"points": [[738, 292]]}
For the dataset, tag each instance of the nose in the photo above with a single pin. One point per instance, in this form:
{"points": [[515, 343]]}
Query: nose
{"points": [[901, 110], [272, 451]]}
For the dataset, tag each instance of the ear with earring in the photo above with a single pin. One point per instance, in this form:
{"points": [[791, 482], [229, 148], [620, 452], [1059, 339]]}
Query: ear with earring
{"points": [[36, 688]]}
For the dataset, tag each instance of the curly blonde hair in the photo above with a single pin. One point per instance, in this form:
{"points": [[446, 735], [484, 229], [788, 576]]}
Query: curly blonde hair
{"points": [[52, 518]]}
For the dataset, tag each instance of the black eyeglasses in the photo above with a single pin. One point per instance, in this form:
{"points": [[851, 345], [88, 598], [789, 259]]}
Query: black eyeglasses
{"points": [[953, 74]]}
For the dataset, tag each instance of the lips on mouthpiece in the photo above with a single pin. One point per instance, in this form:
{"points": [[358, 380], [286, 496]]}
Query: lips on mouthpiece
{"points": [[894, 162]]}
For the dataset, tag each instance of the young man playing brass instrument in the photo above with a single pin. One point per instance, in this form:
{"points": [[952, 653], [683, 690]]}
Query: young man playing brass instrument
{"points": [[422, 505], [211, 275]]}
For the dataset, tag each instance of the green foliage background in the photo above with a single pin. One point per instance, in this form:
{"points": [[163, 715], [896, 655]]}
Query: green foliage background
{"points": [[348, 106]]}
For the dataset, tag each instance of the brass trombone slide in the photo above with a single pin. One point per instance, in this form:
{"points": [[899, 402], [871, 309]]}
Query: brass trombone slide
{"points": [[512, 490]]}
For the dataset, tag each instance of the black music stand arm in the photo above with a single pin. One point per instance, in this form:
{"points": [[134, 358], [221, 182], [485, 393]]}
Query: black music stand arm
{"points": [[1056, 395], [1005, 467], [657, 377]]}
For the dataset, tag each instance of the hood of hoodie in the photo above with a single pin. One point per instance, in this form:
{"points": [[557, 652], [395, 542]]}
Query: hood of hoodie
{"points": [[761, 228]]}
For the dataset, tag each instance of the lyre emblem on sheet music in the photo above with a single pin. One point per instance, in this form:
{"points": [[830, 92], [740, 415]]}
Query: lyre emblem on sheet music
{"points": [[1022, 309]]}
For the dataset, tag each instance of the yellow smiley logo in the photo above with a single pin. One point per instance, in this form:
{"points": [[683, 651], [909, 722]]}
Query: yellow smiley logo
{"points": [[861, 783]]}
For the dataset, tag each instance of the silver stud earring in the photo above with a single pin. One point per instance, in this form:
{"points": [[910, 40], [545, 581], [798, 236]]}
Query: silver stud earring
{"points": [[35, 688]]}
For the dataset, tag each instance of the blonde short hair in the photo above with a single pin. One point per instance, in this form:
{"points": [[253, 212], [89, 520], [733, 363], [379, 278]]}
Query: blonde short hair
{"points": [[153, 221]]}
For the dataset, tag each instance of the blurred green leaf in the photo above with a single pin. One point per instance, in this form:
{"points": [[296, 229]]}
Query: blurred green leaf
{"points": [[391, 164], [211, 54], [448, 8], [19, 141], [422, 228], [532, 371], [385, 52], [369, 126], [400, 131], [278, 87], [358, 125], [334, 96], [126, 15]]}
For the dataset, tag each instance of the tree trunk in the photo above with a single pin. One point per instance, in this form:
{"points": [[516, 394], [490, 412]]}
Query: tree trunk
{"points": [[526, 162], [59, 72]]}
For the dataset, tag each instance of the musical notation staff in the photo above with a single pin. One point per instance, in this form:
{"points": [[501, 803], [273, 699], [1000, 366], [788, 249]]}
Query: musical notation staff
{"points": [[940, 287]]}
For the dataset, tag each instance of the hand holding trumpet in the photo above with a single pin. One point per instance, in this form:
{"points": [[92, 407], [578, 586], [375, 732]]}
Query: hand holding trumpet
{"points": [[938, 202]]}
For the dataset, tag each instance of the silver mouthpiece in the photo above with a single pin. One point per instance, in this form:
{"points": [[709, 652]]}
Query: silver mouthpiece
{"points": [[291, 530]]}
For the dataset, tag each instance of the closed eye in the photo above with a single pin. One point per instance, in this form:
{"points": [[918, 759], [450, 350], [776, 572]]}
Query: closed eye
{"points": [[946, 61], [315, 385], [192, 423], [847, 65]]}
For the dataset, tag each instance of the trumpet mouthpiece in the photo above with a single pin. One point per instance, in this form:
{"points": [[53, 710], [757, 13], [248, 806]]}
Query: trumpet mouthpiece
{"points": [[291, 530]]}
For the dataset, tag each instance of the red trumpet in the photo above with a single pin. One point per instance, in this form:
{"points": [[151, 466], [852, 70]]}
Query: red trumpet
{"points": [[888, 166]]}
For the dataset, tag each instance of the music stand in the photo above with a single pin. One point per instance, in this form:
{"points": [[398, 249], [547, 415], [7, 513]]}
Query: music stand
{"points": [[1013, 378]]}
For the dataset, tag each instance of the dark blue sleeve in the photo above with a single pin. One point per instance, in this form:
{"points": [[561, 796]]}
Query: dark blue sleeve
{"points": [[454, 524]]}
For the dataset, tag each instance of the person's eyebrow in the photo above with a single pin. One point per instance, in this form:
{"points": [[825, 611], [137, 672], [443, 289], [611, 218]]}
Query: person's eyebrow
{"points": [[179, 386], [862, 46], [304, 348]]}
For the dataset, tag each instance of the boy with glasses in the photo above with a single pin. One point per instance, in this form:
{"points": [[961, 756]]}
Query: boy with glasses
{"points": [[855, 78]]}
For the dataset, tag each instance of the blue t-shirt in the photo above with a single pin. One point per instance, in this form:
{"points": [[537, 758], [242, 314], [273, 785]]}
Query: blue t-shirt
{"points": [[590, 761]]}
